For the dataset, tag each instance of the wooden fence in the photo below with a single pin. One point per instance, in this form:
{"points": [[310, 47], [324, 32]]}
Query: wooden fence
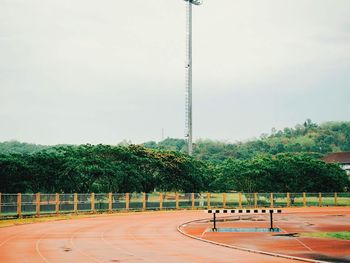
{"points": [[36, 204]]}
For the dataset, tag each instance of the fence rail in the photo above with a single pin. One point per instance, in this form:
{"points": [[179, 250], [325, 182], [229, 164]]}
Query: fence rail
{"points": [[18, 205]]}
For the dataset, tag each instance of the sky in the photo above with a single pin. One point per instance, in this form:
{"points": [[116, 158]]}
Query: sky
{"points": [[83, 71]]}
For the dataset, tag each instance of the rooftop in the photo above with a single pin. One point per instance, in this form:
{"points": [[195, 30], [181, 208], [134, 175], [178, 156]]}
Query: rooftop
{"points": [[339, 157]]}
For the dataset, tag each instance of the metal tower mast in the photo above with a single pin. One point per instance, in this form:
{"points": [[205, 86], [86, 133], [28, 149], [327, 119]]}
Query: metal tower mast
{"points": [[188, 67]]}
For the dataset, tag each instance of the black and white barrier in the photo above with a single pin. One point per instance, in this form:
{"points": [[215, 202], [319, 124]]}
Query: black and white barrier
{"points": [[243, 211]]}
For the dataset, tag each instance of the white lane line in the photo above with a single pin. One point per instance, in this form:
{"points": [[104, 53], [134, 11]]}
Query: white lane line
{"points": [[303, 244], [37, 249], [102, 237], [204, 232], [37, 243], [79, 250], [12, 237]]}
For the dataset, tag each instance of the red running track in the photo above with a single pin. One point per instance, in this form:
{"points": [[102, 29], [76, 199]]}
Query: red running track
{"points": [[140, 237]]}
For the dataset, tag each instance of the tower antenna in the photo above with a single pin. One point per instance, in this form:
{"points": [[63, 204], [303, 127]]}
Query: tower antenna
{"points": [[188, 67]]}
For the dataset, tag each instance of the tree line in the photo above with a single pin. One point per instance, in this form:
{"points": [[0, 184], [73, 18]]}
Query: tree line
{"points": [[135, 168], [306, 137], [100, 168]]}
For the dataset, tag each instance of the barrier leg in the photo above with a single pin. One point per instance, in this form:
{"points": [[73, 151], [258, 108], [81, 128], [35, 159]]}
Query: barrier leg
{"points": [[214, 221], [271, 220]]}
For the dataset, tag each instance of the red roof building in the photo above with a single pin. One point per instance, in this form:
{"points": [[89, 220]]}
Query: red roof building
{"points": [[342, 158]]}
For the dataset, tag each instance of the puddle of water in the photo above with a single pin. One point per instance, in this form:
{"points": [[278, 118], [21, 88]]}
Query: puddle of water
{"points": [[246, 230]]}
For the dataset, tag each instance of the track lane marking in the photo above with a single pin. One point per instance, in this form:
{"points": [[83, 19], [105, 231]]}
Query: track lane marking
{"points": [[303, 244], [120, 248], [71, 240], [37, 249], [37, 243], [12, 237], [242, 248], [102, 237]]}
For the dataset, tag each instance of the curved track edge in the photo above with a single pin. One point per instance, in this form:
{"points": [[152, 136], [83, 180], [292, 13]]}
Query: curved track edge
{"points": [[243, 248]]}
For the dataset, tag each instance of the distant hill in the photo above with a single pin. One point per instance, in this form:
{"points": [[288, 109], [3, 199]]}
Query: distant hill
{"points": [[308, 137], [20, 147]]}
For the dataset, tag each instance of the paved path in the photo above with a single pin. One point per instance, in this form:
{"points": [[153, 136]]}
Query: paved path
{"points": [[140, 237]]}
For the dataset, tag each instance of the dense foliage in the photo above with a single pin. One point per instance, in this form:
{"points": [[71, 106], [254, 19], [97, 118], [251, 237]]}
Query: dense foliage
{"points": [[101, 168], [20, 147], [280, 173], [306, 137], [285, 161]]}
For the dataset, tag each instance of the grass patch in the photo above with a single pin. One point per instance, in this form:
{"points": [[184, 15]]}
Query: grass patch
{"points": [[339, 235], [29, 220]]}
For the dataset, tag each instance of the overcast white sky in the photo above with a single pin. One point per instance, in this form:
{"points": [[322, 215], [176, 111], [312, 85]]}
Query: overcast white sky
{"points": [[83, 71]]}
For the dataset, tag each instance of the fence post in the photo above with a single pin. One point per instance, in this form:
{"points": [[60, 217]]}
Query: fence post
{"points": [[319, 199], [93, 202], [192, 197], [288, 200], [127, 201], [255, 200], [224, 200], [19, 205], [271, 200], [208, 200], [160, 201], [240, 200], [37, 204], [144, 205], [177, 200], [304, 199], [335, 199], [57, 205], [75, 203], [110, 204]]}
